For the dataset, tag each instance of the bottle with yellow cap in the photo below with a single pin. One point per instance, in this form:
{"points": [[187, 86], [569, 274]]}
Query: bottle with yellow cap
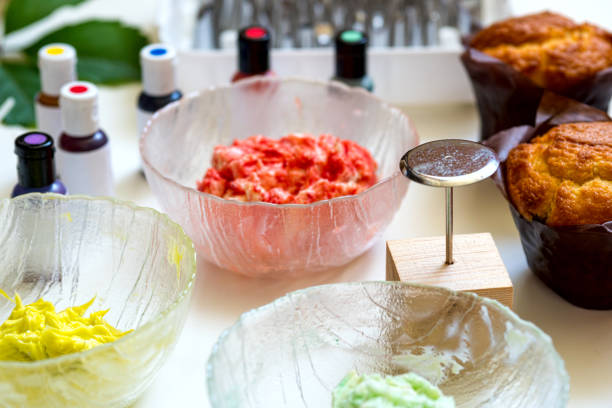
{"points": [[57, 65], [83, 155]]}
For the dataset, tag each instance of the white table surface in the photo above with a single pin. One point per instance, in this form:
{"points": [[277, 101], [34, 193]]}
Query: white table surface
{"points": [[582, 337]]}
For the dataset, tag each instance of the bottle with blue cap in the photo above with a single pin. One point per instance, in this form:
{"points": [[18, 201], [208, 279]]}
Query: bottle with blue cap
{"points": [[158, 62]]}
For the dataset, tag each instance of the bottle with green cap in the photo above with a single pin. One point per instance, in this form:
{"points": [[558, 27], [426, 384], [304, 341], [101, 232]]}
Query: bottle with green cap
{"points": [[351, 59]]}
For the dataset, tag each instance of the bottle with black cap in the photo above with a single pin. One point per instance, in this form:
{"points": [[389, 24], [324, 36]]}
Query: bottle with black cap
{"points": [[35, 165], [253, 53], [351, 59], [158, 62]]}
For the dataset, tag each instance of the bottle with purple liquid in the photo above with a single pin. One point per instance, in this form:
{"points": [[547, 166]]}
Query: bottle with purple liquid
{"points": [[35, 165]]}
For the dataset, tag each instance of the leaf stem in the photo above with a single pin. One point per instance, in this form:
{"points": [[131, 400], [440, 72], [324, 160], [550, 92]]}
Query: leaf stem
{"points": [[3, 4]]}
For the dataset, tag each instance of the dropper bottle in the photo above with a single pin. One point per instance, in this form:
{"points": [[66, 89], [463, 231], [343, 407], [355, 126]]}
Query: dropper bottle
{"points": [[57, 66], [351, 59], [158, 63], [253, 53], [83, 155], [35, 165]]}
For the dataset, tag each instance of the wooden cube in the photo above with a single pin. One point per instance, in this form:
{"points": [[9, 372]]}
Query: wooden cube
{"points": [[478, 268]]}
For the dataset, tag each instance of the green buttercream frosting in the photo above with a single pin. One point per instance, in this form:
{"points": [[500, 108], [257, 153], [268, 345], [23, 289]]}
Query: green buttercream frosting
{"points": [[401, 391]]}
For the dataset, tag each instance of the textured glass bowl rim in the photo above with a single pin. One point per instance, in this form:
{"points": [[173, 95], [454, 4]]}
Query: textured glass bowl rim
{"points": [[541, 336], [161, 217], [166, 110]]}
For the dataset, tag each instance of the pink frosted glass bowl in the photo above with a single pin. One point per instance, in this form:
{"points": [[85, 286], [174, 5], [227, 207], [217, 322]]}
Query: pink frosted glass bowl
{"points": [[263, 239]]}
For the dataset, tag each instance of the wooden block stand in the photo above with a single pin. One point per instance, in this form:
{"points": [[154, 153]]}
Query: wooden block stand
{"points": [[478, 268]]}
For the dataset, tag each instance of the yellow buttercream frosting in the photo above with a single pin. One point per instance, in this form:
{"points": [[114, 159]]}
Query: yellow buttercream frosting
{"points": [[36, 332]]}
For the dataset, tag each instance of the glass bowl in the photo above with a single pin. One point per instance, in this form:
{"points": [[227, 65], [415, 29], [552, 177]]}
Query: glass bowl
{"points": [[294, 351], [263, 239], [138, 264]]}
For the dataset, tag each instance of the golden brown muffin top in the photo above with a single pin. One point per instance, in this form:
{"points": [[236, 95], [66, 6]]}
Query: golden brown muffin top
{"points": [[552, 50], [564, 177]]}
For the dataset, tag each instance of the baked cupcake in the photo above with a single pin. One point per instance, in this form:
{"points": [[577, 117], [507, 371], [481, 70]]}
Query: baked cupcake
{"points": [[564, 177], [558, 180], [511, 62]]}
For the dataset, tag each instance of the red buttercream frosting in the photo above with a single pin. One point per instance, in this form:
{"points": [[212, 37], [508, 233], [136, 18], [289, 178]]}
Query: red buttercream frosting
{"points": [[296, 169]]}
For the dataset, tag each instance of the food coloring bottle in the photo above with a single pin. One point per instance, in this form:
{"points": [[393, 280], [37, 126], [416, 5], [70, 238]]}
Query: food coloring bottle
{"points": [[253, 53], [158, 63], [57, 65], [351, 59], [83, 155], [35, 165]]}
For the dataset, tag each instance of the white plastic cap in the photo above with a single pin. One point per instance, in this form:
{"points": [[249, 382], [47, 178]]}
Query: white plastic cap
{"points": [[79, 107], [158, 63], [57, 64]]}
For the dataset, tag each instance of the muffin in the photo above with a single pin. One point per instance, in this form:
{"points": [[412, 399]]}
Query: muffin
{"points": [[511, 63], [564, 177], [553, 51], [557, 177]]}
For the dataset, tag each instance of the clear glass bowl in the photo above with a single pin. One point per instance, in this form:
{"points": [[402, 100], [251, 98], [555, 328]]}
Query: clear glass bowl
{"points": [[139, 265], [294, 351], [256, 238]]}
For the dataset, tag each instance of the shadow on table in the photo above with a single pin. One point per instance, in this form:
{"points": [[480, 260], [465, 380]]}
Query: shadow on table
{"points": [[582, 337], [222, 292]]}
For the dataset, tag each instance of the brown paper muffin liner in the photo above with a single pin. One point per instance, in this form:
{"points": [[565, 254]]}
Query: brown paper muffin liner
{"points": [[574, 261], [506, 98]]}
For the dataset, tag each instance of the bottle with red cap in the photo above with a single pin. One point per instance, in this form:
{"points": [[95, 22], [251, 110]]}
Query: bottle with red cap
{"points": [[83, 155], [253, 53], [35, 165], [57, 66]]}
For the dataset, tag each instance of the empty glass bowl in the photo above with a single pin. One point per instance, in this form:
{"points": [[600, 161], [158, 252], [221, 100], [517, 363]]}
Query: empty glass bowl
{"points": [[255, 238], [294, 351], [138, 264]]}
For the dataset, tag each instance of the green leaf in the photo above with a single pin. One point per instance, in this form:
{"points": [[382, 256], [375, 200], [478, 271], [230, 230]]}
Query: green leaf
{"points": [[19, 81], [20, 13], [107, 51]]}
